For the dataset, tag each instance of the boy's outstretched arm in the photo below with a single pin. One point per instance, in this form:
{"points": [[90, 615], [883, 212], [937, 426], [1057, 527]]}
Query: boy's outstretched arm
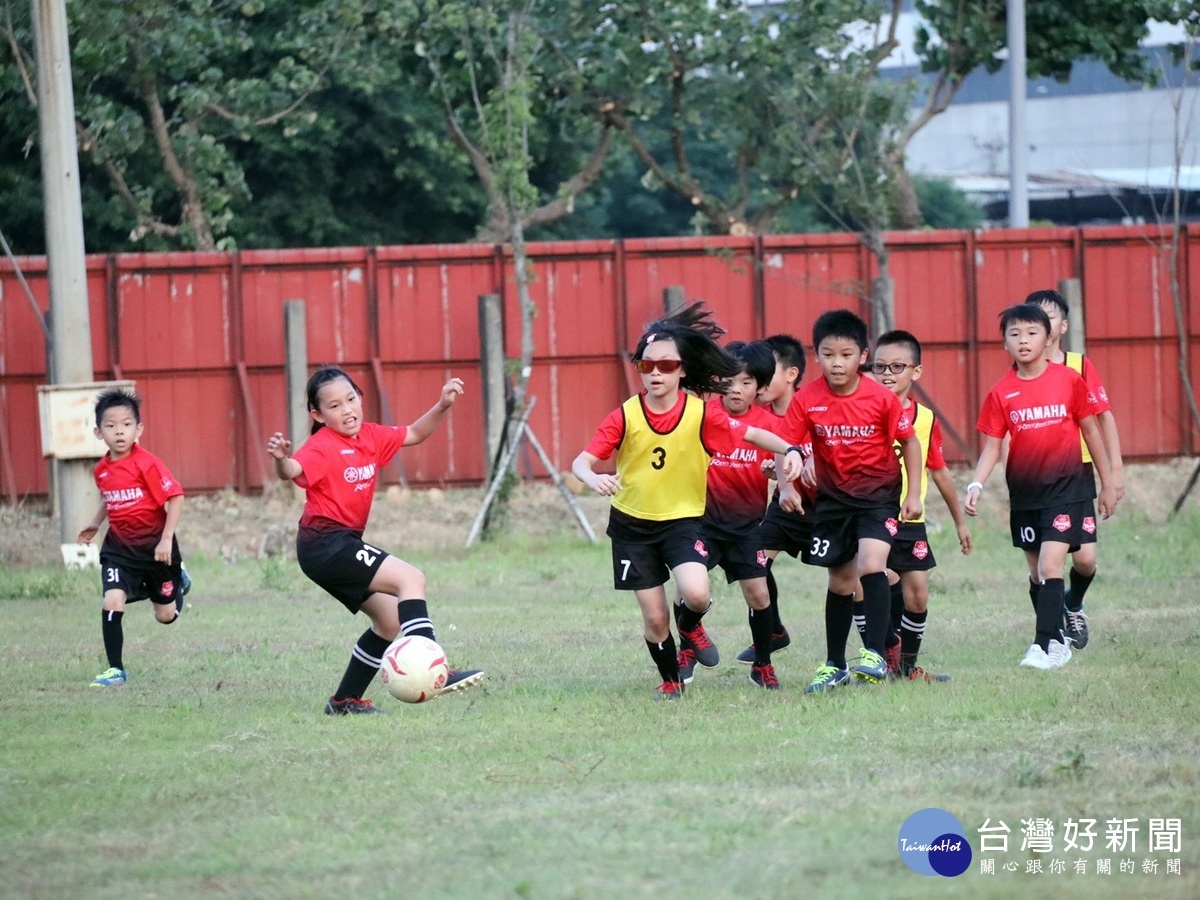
{"points": [[911, 507], [88, 531], [162, 552], [1112, 443], [428, 423], [1106, 503], [945, 486], [988, 457]]}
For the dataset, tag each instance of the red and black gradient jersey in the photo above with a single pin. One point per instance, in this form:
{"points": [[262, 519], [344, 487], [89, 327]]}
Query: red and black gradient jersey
{"points": [[340, 472], [1042, 415], [135, 489], [852, 437], [807, 495], [737, 487]]}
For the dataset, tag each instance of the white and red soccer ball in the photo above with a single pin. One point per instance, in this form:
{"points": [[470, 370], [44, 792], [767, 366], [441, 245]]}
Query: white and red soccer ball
{"points": [[414, 669]]}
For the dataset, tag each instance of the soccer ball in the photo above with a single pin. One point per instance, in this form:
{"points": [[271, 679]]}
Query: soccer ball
{"points": [[414, 669]]}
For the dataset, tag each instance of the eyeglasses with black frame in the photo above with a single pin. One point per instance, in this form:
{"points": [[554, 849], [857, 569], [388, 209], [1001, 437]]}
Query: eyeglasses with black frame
{"points": [[895, 368], [666, 366]]}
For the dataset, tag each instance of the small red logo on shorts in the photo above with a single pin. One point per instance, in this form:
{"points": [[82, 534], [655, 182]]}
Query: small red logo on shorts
{"points": [[762, 558], [1062, 523], [167, 589], [891, 526], [920, 549], [701, 549], [1089, 524]]}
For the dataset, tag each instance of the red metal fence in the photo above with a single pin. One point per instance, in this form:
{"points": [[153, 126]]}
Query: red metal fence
{"points": [[202, 333]]}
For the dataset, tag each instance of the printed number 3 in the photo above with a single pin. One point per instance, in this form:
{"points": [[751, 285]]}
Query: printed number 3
{"points": [[661, 460], [368, 554], [819, 547]]}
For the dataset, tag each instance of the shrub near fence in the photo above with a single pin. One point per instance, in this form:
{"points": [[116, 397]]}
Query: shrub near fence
{"points": [[202, 334]]}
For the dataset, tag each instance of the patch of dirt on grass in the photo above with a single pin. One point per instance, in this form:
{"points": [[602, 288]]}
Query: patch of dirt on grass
{"points": [[231, 527]]}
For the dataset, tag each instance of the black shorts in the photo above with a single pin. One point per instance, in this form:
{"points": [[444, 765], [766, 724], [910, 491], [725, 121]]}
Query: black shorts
{"points": [[740, 557], [910, 549], [1073, 524], [836, 535], [785, 531], [141, 577], [646, 560], [340, 562]]}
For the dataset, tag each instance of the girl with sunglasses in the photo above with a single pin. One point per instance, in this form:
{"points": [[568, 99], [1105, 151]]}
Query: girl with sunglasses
{"points": [[664, 438]]}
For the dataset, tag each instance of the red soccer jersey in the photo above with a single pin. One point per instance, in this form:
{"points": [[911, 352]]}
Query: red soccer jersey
{"points": [[718, 432], [936, 457], [737, 487], [1042, 415], [135, 491], [340, 472], [852, 439]]}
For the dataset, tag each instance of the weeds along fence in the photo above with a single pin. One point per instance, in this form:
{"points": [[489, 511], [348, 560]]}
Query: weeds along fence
{"points": [[203, 334]]}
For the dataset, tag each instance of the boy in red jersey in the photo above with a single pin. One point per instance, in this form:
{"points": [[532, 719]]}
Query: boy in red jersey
{"points": [[737, 497], [781, 531], [1083, 558], [853, 422], [897, 366], [1043, 408], [142, 501]]}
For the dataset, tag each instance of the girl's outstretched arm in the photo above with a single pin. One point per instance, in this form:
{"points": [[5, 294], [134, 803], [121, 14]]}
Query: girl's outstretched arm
{"points": [[428, 423]]}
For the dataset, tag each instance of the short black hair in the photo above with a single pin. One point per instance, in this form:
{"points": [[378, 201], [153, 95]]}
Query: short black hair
{"points": [[898, 337], [1041, 298], [840, 323], [1029, 313], [789, 351], [117, 397], [755, 359]]}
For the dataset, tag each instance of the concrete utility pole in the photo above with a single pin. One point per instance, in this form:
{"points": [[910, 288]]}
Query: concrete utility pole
{"points": [[1018, 144], [70, 332]]}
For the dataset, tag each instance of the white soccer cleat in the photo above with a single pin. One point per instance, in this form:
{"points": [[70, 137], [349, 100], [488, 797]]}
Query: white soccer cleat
{"points": [[1036, 658], [1060, 654]]}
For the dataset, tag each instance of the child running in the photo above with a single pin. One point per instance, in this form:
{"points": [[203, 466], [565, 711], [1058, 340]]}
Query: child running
{"points": [[1083, 558], [1043, 408], [337, 467], [142, 501], [737, 497], [782, 531], [664, 438], [853, 422], [897, 366]]}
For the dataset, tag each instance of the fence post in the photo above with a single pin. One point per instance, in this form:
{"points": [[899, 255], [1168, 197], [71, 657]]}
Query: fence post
{"points": [[673, 299], [1072, 291], [491, 362], [296, 371]]}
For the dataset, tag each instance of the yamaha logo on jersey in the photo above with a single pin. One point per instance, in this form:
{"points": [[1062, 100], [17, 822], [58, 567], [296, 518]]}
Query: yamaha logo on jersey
{"points": [[701, 549], [920, 549], [355, 474], [167, 589], [762, 558], [891, 526], [1062, 522], [1089, 524], [166, 484]]}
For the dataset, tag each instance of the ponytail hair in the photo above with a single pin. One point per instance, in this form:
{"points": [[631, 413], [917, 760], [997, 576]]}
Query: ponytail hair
{"points": [[318, 380], [707, 367]]}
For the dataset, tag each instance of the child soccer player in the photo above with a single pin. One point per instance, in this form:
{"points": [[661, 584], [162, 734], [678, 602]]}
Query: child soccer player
{"points": [[1043, 408], [1083, 558], [782, 531], [663, 439], [142, 501], [737, 497], [853, 422], [897, 366], [337, 467]]}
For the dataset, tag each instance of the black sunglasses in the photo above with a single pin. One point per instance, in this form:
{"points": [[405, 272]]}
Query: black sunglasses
{"points": [[894, 368]]}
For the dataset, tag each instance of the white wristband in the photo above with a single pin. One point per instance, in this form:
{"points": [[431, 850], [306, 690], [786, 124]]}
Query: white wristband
{"points": [[975, 484]]}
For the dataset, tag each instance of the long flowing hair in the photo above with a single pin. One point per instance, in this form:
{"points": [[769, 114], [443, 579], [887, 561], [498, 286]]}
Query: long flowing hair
{"points": [[707, 367], [318, 380]]}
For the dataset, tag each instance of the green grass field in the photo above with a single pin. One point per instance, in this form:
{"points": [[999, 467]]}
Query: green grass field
{"points": [[214, 773]]}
